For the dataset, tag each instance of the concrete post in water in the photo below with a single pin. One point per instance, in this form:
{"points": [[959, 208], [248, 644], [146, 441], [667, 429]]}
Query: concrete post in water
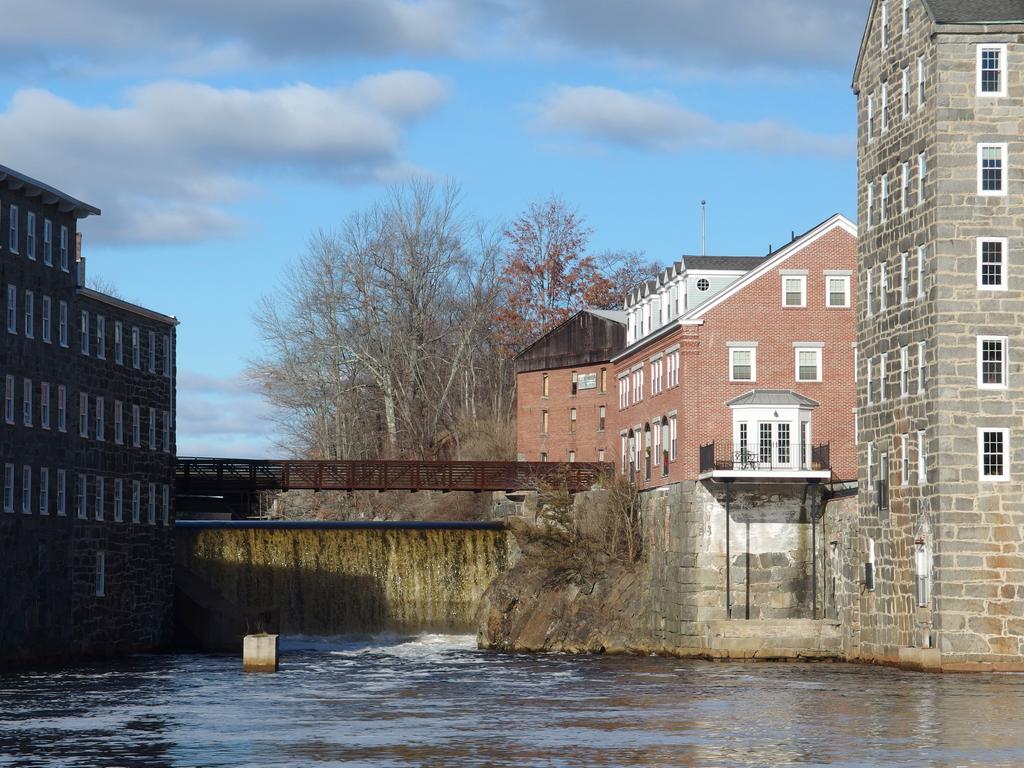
{"points": [[259, 653]]}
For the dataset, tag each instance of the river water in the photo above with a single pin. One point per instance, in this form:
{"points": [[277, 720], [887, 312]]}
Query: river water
{"points": [[437, 701]]}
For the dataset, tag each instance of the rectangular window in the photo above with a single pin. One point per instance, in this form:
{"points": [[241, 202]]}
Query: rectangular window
{"points": [[101, 337], [921, 81], [601, 416], [883, 365], [922, 458], [883, 481], [883, 286], [906, 91], [992, 362], [906, 16], [992, 169], [44, 491], [922, 174], [85, 332], [638, 385], [101, 432], [992, 69], [9, 488], [135, 424], [44, 405], [167, 364], [993, 455], [905, 460], [871, 205], [673, 437], [573, 391], [13, 221], [742, 364], [12, 309], [118, 422], [167, 428], [26, 402], [47, 242], [884, 106], [152, 425], [885, 23], [871, 117], [100, 498], [62, 496], [870, 383], [572, 460], [64, 249], [869, 282], [921, 253], [119, 348], [62, 324], [30, 307], [83, 506], [992, 253], [101, 573], [884, 202], [808, 364], [904, 371], [83, 414], [166, 492], [136, 501], [119, 500], [623, 392], [9, 400], [151, 349], [26, 490], [30, 236], [794, 290], [151, 503], [838, 293], [62, 408], [47, 310], [136, 350], [904, 277], [904, 187]]}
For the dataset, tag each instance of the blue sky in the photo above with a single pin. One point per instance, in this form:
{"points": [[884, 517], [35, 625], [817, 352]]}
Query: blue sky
{"points": [[218, 135]]}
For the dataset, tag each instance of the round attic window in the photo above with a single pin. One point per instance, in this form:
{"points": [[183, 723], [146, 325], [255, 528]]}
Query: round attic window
{"points": [[703, 284]]}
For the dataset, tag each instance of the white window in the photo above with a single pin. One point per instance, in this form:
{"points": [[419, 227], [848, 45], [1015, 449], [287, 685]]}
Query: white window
{"points": [[623, 392], [64, 248], [871, 204], [904, 371], [992, 69], [884, 202], [101, 573], [883, 286], [992, 170], [673, 365], [922, 458], [14, 229], [118, 422], [905, 101], [26, 490], [904, 460], [26, 402], [904, 277], [83, 506], [100, 427], [44, 405], [885, 23], [906, 16], [167, 358], [167, 427], [871, 117], [673, 436], [62, 324], [136, 500], [869, 282], [12, 309], [992, 362], [884, 106], [44, 491], [166, 492], [151, 501], [921, 82], [47, 310], [30, 305], [870, 382], [993, 455], [136, 351], [118, 342], [743, 364], [119, 500], [904, 187], [883, 364], [62, 496], [794, 290], [151, 349], [921, 253], [9, 400], [85, 332], [992, 253], [638, 385], [47, 242], [808, 363], [62, 408], [101, 337], [100, 511], [837, 291], [83, 414], [922, 175], [9, 488], [30, 236], [137, 427]]}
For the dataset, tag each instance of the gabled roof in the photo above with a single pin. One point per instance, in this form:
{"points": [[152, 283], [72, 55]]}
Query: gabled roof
{"points": [[723, 263], [976, 11], [588, 337], [49, 195], [772, 397], [615, 315]]}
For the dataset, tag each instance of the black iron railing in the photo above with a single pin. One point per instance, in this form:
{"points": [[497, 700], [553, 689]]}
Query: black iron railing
{"points": [[774, 456]]}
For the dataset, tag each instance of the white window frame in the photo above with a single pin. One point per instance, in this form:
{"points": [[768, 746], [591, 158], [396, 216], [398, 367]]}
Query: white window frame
{"points": [[99, 487], [44, 491], [753, 363], [981, 48], [118, 422], [883, 286], [44, 404], [883, 201], [99, 420], [1004, 261], [922, 458], [101, 337], [47, 242], [83, 414], [62, 408], [905, 93], [921, 81], [1005, 476], [26, 403], [817, 361], [885, 106], [1004, 342], [803, 291], [85, 332], [12, 309], [62, 326], [904, 277], [30, 236], [166, 493], [906, 17], [30, 309], [46, 319], [151, 502], [904, 186], [883, 365], [871, 118], [82, 495], [1003, 148], [26, 490], [904, 371], [828, 291], [885, 24], [922, 252], [118, 342], [921, 383], [9, 399], [922, 175], [62, 493], [9, 489], [118, 500], [65, 244], [871, 204], [13, 221], [151, 352], [136, 501], [904, 460]]}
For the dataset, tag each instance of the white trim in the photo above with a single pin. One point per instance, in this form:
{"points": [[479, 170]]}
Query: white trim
{"points": [[1005, 373], [1001, 47], [803, 290], [982, 478], [793, 272], [828, 290], [837, 221], [673, 348], [838, 273], [753, 364], [655, 358], [812, 344], [1002, 146], [1005, 243], [816, 349], [753, 344]]}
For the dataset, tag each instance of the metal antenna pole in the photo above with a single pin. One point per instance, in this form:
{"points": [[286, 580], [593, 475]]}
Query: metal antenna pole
{"points": [[703, 228]]}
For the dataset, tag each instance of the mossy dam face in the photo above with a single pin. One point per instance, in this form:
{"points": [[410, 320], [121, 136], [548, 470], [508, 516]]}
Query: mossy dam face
{"points": [[341, 578]]}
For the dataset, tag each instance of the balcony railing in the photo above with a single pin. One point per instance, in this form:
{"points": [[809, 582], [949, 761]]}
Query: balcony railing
{"points": [[764, 457]]}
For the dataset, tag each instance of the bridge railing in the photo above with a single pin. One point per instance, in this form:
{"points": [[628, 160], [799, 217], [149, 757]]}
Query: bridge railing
{"points": [[212, 476]]}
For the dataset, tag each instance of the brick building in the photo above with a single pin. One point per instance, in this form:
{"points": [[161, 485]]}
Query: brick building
{"points": [[940, 89], [88, 445]]}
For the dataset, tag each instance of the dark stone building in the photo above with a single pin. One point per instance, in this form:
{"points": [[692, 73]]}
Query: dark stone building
{"points": [[87, 447]]}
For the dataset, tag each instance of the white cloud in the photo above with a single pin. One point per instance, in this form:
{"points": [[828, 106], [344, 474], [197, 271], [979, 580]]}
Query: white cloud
{"points": [[223, 416], [166, 163], [656, 122]]}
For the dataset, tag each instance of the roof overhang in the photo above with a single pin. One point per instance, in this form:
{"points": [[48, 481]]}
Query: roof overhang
{"points": [[49, 195], [127, 306]]}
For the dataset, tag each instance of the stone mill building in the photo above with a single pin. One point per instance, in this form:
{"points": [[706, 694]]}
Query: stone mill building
{"points": [[940, 91]]}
